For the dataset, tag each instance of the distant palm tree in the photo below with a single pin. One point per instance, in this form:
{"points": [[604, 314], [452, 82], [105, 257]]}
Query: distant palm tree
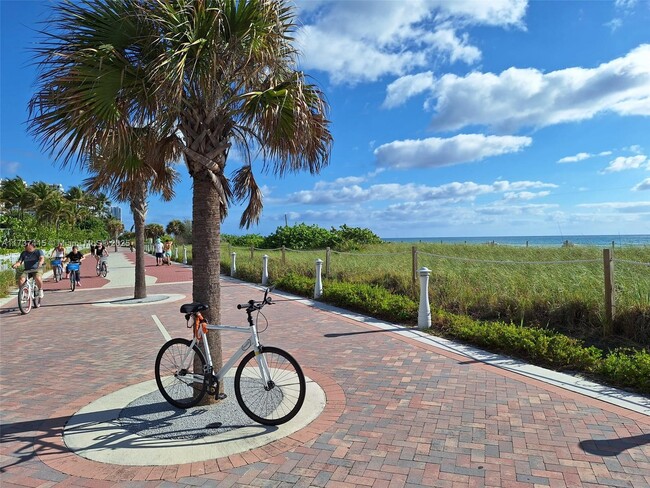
{"points": [[130, 174], [55, 209], [115, 228], [222, 72], [15, 194], [79, 200]]}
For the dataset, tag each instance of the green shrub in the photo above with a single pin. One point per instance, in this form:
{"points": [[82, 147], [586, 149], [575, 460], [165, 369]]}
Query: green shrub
{"points": [[7, 281], [627, 368], [373, 300], [298, 284]]}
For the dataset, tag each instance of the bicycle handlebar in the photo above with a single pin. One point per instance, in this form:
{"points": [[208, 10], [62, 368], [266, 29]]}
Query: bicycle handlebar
{"points": [[257, 305]]}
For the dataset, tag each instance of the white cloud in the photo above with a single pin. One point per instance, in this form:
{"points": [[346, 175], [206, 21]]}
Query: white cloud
{"points": [[406, 87], [525, 195], [623, 163], [644, 185], [9, 167], [519, 98], [582, 156], [434, 151], [333, 193], [355, 41], [618, 207]]}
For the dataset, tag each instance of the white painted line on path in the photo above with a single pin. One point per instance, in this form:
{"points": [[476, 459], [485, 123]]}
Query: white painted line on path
{"points": [[161, 327]]}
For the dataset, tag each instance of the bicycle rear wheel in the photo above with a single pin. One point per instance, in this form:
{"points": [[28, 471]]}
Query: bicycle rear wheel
{"points": [[104, 270], [174, 365], [24, 299], [277, 401]]}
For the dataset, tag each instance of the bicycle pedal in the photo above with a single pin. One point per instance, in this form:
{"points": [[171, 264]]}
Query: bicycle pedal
{"points": [[220, 396]]}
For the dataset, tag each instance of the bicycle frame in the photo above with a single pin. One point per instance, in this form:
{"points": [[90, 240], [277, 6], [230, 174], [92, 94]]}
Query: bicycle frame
{"points": [[200, 332]]}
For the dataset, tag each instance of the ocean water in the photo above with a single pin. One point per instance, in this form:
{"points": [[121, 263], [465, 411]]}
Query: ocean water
{"points": [[547, 241]]}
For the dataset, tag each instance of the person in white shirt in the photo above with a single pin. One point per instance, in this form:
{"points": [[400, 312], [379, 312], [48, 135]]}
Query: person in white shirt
{"points": [[158, 248]]}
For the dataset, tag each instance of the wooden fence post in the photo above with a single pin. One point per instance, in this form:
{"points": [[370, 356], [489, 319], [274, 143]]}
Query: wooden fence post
{"points": [[610, 303], [328, 261], [414, 268], [284, 257], [252, 251]]}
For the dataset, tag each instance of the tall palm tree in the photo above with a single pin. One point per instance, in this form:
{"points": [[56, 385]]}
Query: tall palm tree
{"points": [[55, 209], [130, 174], [222, 72]]}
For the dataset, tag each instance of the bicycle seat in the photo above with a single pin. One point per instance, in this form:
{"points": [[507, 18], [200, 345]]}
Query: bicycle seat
{"points": [[193, 307]]}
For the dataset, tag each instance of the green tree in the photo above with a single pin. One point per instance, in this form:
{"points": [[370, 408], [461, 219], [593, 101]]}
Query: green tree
{"points": [[175, 227], [222, 72], [14, 194], [114, 228], [151, 231]]}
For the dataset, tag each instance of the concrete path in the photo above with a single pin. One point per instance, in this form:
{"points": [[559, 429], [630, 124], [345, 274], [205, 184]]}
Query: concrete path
{"points": [[401, 409]]}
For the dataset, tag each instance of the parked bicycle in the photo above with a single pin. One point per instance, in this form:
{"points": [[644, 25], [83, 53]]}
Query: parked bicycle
{"points": [[57, 269], [102, 266], [29, 294], [269, 383]]}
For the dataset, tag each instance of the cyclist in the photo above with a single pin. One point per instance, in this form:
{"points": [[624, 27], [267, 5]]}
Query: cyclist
{"points": [[57, 254], [100, 251], [75, 256], [31, 259]]}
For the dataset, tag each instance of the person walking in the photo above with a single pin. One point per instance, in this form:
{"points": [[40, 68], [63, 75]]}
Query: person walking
{"points": [[167, 249], [158, 249]]}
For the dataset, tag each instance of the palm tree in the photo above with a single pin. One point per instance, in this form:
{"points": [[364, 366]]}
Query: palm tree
{"points": [[55, 209], [79, 200], [14, 193], [222, 72], [114, 227], [130, 174]]}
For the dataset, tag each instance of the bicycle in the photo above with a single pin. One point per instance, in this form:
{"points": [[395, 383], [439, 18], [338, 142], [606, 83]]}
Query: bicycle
{"points": [[57, 269], [73, 270], [269, 383], [29, 294], [102, 266]]}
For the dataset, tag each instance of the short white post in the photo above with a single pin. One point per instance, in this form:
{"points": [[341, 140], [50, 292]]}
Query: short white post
{"points": [[184, 255], [318, 288], [233, 266], [424, 313], [265, 269], [176, 253]]}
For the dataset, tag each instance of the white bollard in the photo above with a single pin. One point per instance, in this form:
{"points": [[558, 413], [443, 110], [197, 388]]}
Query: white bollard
{"points": [[318, 288], [184, 255], [424, 313], [175, 253], [233, 268], [265, 269]]}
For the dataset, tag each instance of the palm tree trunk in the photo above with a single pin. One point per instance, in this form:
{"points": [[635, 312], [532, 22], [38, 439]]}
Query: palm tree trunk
{"points": [[139, 210], [206, 258]]}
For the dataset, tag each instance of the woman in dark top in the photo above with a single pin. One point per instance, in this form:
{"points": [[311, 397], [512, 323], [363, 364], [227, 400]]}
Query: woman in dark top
{"points": [[75, 256]]}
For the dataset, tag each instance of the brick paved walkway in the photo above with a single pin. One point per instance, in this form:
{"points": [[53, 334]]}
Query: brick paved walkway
{"points": [[400, 412]]}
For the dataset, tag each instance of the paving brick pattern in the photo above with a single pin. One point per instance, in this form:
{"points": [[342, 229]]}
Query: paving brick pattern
{"points": [[400, 413]]}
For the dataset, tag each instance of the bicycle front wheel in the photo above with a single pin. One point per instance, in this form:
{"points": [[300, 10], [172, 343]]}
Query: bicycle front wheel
{"points": [[73, 281], [98, 269], [104, 270], [37, 297], [57, 273], [175, 378], [24, 299], [277, 399]]}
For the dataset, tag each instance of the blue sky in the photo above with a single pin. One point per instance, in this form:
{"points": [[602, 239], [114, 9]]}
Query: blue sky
{"points": [[460, 118]]}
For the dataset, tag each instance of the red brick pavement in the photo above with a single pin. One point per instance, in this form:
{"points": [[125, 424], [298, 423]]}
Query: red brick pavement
{"points": [[173, 273], [400, 413]]}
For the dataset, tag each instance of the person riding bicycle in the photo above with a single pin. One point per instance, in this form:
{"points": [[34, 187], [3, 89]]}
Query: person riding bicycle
{"points": [[31, 259], [75, 256], [57, 255], [100, 251]]}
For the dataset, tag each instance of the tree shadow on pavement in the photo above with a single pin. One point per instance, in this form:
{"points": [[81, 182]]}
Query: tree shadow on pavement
{"points": [[613, 447]]}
